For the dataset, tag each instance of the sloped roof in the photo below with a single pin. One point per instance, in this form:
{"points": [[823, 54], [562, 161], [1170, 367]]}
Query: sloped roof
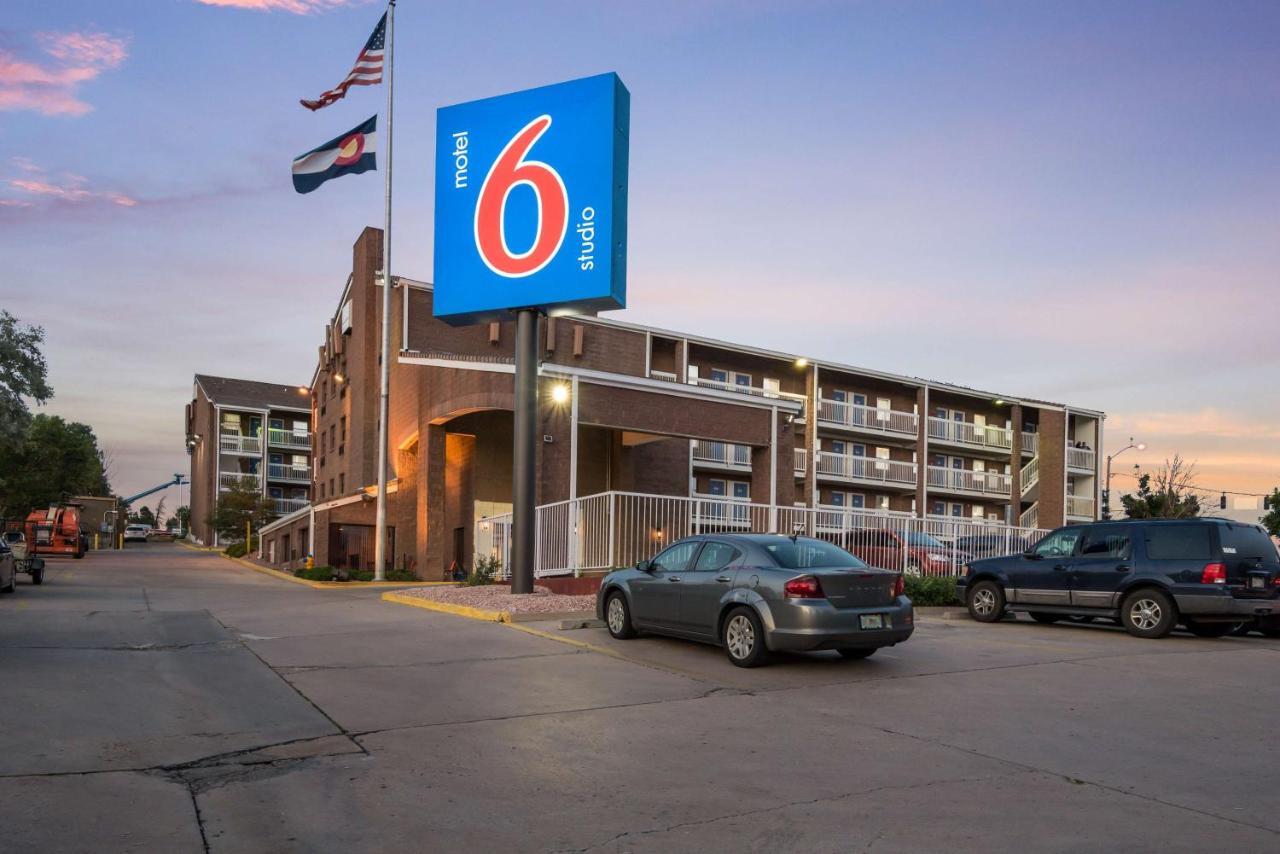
{"points": [[252, 394]]}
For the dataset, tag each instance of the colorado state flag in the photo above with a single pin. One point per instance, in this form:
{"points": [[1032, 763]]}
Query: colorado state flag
{"points": [[349, 154]]}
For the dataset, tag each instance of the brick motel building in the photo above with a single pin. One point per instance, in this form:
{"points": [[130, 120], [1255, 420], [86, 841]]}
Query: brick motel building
{"points": [[632, 409]]}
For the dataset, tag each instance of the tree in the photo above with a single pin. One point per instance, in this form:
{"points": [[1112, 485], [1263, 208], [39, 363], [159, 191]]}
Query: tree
{"points": [[235, 507], [1173, 495], [144, 517], [1271, 520], [22, 375], [183, 515], [55, 459]]}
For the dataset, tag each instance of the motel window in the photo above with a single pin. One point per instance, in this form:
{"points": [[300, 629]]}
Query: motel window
{"points": [[857, 500], [342, 482], [322, 489], [839, 396], [343, 422], [837, 499], [882, 502], [299, 428], [939, 508], [741, 490], [882, 453], [331, 492]]}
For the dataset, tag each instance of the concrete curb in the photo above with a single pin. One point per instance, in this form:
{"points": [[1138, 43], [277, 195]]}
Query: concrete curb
{"points": [[332, 585], [448, 608]]}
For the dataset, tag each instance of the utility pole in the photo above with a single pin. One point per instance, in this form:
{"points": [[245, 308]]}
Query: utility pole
{"points": [[1106, 493], [524, 456]]}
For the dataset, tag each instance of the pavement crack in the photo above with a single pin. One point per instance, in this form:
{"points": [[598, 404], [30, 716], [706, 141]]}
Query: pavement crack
{"points": [[307, 668]]}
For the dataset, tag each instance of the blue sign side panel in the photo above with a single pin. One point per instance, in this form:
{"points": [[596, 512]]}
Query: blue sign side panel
{"points": [[556, 242]]}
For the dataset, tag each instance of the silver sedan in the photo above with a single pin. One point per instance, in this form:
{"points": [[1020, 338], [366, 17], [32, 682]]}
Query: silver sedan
{"points": [[754, 594]]}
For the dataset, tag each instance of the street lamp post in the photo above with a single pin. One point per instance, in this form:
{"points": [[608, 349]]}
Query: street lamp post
{"points": [[1106, 493]]}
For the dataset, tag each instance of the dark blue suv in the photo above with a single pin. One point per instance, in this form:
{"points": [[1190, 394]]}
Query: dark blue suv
{"points": [[1211, 575]]}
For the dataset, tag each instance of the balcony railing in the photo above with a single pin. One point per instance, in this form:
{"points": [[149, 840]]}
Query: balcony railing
{"points": [[963, 480], [849, 467], [665, 376], [1080, 506], [1030, 517], [828, 517], [854, 416], [228, 479], [754, 391], [285, 506], [289, 438], [965, 433], [1030, 443], [1081, 458], [802, 461], [722, 454], [296, 474], [968, 520], [234, 443], [1030, 476], [724, 512]]}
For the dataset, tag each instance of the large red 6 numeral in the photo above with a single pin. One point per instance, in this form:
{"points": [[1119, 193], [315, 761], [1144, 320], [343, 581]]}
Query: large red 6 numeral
{"points": [[509, 171]]}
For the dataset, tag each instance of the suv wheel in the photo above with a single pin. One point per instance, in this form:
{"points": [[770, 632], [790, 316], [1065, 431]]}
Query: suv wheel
{"points": [[617, 616], [1148, 613], [743, 638], [986, 602]]}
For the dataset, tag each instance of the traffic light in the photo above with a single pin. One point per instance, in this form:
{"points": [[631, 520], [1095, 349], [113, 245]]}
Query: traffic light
{"points": [[1222, 502]]}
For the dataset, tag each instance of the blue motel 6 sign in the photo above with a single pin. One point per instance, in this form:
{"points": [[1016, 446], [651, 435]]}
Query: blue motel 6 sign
{"points": [[531, 201]]}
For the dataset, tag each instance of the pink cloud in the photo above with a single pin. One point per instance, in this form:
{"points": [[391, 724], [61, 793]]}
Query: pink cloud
{"points": [[69, 188], [51, 88], [296, 7]]}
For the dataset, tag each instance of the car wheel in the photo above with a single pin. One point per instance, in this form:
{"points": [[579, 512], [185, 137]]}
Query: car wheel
{"points": [[1041, 617], [856, 653], [1241, 630], [1080, 618], [617, 617], [743, 638], [986, 602], [1270, 633], [37, 576], [12, 586], [1210, 630], [79, 555], [1148, 613]]}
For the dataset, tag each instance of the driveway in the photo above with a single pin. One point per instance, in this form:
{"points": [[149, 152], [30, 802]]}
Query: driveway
{"points": [[162, 699]]}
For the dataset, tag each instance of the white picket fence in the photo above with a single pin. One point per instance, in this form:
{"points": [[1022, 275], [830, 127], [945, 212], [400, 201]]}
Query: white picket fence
{"points": [[611, 529]]}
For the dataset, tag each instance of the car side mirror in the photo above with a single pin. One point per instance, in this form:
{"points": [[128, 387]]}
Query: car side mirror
{"points": [[1031, 554], [644, 565]]}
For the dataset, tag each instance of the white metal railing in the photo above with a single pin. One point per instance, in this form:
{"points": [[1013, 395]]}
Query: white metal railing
{"points": [[963, 480], [1080, 505], [1030, 443], [285, 506], [666, 376], [854, 416], [849, 467], [754, 391], [801, 460], [966, 433], [1081, 458], [229, 479], [1030, 517], [288, 438], [235, 443], [300, 474], [613, 529], [722, 454], [1029, 475]]}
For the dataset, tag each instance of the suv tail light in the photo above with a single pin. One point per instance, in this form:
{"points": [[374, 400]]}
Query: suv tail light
{"points": [[1214, 573], [803, 587], [899, 585]]}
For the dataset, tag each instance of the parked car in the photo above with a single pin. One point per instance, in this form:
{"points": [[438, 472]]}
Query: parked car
{"points": [[1210, 575], [912, 552], [754, 594], [135, 533], [979, 546], [8, 568], [33, 566]]}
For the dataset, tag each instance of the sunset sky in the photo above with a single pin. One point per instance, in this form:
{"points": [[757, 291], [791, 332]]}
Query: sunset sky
{"points": [[1074, 201]]}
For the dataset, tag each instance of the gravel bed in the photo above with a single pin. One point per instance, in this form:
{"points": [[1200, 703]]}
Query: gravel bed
{"points": [[498, 597]]}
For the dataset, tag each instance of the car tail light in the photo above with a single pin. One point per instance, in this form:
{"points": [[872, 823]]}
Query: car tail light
{"points": [[1214, 573], [899, 586], [803, 587]]}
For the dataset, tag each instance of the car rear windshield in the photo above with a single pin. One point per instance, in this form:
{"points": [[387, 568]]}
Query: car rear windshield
{"points": [[1177, 542], [1246, 541], [919, 538], [809, 554]]}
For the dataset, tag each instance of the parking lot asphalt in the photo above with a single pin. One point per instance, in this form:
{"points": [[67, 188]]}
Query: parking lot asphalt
{"points": [[162, 699]]}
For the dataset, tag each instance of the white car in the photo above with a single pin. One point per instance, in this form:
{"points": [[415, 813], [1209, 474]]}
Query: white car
{"points": [[136, 532]]}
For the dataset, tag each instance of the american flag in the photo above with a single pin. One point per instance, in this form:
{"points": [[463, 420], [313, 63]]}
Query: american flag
{"points": [[367, 70]]}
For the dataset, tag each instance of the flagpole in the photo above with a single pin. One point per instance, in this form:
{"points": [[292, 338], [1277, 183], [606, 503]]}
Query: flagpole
{"points": [[380, 545]]}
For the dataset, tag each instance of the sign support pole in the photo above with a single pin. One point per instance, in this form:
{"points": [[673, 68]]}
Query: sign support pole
{"points": [[380, 520], [524, 456]]}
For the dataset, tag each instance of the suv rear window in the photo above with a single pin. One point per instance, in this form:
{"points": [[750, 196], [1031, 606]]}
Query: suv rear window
{"points": [[1177, 542], [1246, 541]]}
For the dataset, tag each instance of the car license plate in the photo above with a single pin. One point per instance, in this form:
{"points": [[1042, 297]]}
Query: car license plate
{"points": [[871, 621], [1258, 583]]}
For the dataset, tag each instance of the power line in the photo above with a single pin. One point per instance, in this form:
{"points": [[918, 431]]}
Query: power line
{"points": [[1199, 488]]}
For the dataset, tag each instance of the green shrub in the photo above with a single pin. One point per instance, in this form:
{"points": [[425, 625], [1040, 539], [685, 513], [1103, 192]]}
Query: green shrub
{"points": [[240, 549], [328, 573], [486, 570], [931, 590]]}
